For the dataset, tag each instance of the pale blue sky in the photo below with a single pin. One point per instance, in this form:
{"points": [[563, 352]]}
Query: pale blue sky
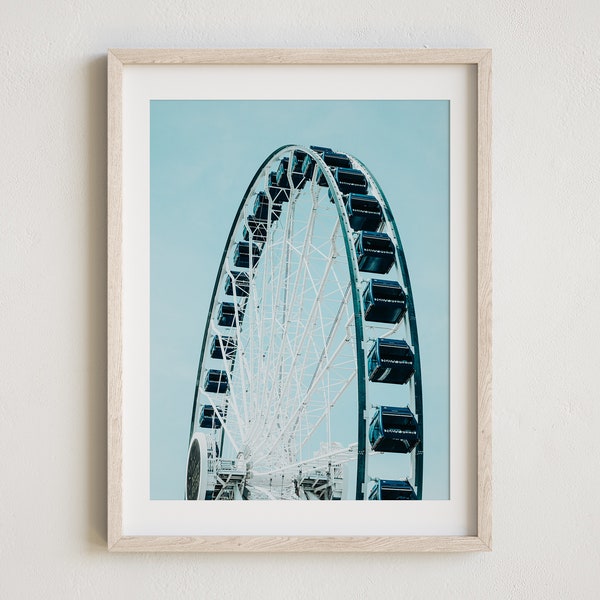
{"points": [[202, 157]]}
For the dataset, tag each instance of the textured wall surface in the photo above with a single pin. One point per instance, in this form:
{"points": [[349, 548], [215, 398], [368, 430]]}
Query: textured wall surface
{"points": [[546, 317]]}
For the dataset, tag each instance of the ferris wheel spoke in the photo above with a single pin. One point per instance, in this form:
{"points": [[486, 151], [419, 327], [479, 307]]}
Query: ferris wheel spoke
{"points": [[262, 384], [278, 393], [292, 300], [282, 264], [305, 335], [346, 454], [309, 434], [293, 420], [276, 298], [304, 396], [257, 317], [297, 405]]}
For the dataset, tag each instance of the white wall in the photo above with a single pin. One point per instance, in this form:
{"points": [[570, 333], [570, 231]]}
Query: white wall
{"points": [[546, 316]]}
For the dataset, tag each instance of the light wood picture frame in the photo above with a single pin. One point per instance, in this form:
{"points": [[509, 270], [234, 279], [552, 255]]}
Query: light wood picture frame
{"points": [[478, 365]]}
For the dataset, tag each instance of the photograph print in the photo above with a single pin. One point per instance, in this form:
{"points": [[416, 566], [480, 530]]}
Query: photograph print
{"points": [[299, 300]]}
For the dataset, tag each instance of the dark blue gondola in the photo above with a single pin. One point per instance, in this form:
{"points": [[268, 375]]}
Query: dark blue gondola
{"points": [[255, 229], [242, 284], [321, 179], [364, 212], [389, 489], [266, 209], [333, 160], [320, 150], [375, 252], [226, 347], [244, 253], [211, 418], [216, 381], [309, 164], [282, 178], [337, 159], [384, 301], [308, 167], [390, 361], [278, 194], [298, 176], [351, 181], [226, 317], [393, 429]]}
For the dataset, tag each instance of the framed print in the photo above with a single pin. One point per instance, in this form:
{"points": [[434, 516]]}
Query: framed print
{"points": [[299, 311]]}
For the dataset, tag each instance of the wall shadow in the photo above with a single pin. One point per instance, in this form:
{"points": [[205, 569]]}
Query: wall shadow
{"points": [[96, 227]]}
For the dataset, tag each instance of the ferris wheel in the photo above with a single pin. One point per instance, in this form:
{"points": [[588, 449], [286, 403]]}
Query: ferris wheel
{"points": [[309, 381]]}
